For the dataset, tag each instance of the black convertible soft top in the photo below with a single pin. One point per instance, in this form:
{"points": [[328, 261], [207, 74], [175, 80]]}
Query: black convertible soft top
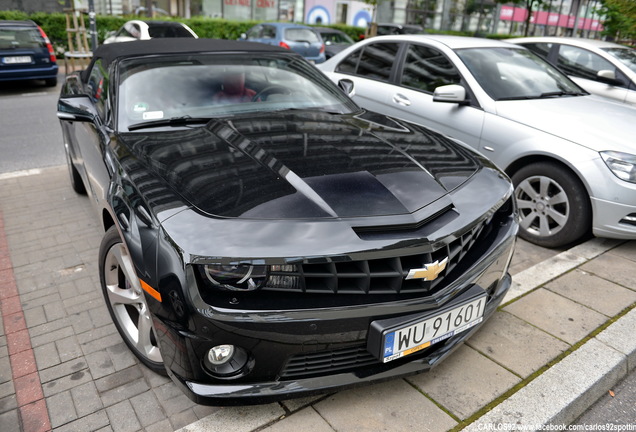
{"points": [[110, 52]]}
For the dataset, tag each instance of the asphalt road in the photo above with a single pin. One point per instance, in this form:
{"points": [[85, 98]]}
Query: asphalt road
{"points": [[31, 136]]}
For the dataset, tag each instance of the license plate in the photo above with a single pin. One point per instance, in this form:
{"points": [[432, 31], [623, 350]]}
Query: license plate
{"points": [[414, 337], [16, 60]]}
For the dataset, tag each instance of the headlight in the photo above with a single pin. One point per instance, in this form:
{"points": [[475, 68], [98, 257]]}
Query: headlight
{"points": [[236, 277], [623, 165], [248, 277]]}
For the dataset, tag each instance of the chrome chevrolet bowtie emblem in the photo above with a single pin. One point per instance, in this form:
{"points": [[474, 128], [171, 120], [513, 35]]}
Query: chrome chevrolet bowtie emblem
{"points": [[429, 272]]}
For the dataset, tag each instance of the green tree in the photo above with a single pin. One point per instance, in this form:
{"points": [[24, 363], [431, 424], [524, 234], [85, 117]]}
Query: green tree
{"points": [[620, 19], [372, 29], [530, 6]]}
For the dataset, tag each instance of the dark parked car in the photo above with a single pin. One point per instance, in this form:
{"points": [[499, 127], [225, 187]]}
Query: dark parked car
{"points": [[277, 242], [26, 53], [334, 39], [295, 37]]}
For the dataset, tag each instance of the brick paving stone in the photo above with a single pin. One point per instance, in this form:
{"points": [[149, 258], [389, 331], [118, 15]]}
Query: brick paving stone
{"points": [[8, 403], [7, 389], [62, 370], [9, 421], [122, 417], [35, 417], [124, 392], [162, 426], [34, 316], [147, 408], [515, 344], [53, 336], [5, 369], [54, 311], [118, 379], [557, 315], [183, 419], [46, 356], [100, 364], [306, 419], [121, 356], [594, 292], [86, 399], [393, 405], [61, 409], [66, 383], [177, 404], [28, 389], [457, 386], [91, 422], [23, 363], [68, 348]]}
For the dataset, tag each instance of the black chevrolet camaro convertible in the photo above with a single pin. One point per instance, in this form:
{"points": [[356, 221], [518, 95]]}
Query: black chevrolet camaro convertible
{"points": [[266, 238]]}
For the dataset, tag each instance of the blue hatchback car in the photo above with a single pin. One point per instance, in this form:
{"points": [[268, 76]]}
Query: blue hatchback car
{"points": [[299, 38], [26, 53]]}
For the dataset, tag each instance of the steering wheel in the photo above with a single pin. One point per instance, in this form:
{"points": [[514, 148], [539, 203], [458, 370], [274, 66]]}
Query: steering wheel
{"points": [[271, 90]]}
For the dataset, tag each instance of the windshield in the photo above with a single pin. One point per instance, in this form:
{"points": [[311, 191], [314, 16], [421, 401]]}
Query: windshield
{"points": [[513, 73], [627, 56], [204, 86]]}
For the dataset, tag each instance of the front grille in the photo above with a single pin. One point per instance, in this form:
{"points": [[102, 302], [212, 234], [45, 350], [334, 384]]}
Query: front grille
{"points": [[327, 362], [374, 276]]}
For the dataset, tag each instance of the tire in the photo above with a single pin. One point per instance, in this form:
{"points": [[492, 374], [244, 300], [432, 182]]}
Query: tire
{"points": [[554, 207], [76, 180], [126, 301]]}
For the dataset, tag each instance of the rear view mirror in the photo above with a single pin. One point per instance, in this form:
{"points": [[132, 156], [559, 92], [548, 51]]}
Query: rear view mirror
{"points": [[346, 85], [76, 108], [608, 76], [452, 93]]}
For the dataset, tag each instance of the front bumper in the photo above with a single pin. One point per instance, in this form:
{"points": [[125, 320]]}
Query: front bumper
{"points": [[265, 392], [327, 346]]}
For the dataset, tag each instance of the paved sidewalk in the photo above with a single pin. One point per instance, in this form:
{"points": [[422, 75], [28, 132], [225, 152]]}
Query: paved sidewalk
{"points": [[563, 337]]}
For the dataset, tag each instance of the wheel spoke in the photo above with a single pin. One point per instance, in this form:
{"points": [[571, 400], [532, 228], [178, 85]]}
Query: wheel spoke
{"points": [[560, 218], [527, 188], [527, 220], [560, 198]]}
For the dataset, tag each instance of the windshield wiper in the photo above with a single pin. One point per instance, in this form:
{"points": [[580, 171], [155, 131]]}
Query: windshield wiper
{"points": [[174, 121], [545, 95], [562, 93]]}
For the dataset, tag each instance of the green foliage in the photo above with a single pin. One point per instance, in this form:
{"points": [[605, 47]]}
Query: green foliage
{"points": [[620, 21], [54, 24]]}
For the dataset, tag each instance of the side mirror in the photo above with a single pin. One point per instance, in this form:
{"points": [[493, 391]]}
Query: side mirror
{"points": [[243, 36], [452, 93], [607, 76], [76, 108], [346, 85]]}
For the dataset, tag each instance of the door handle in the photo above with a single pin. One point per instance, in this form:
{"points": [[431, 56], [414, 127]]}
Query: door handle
{"points": [[400, 99]]}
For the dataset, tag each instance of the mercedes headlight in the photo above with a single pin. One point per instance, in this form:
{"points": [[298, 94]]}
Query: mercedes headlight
{"points": [[623, 165]]}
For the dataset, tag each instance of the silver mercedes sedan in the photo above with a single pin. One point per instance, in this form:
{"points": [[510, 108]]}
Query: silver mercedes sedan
{"points": [[571, 155]]}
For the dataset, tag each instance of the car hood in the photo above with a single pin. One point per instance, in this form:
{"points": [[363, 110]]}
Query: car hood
{"points": [[304, 164], [591, 121]]}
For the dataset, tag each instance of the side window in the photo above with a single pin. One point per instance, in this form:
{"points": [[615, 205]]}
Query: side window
{"points": [[349, 64], [269, 32], [97, 87], [540, 49], [254, 32], [426, 69], [376, 61], [582, 63]]}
